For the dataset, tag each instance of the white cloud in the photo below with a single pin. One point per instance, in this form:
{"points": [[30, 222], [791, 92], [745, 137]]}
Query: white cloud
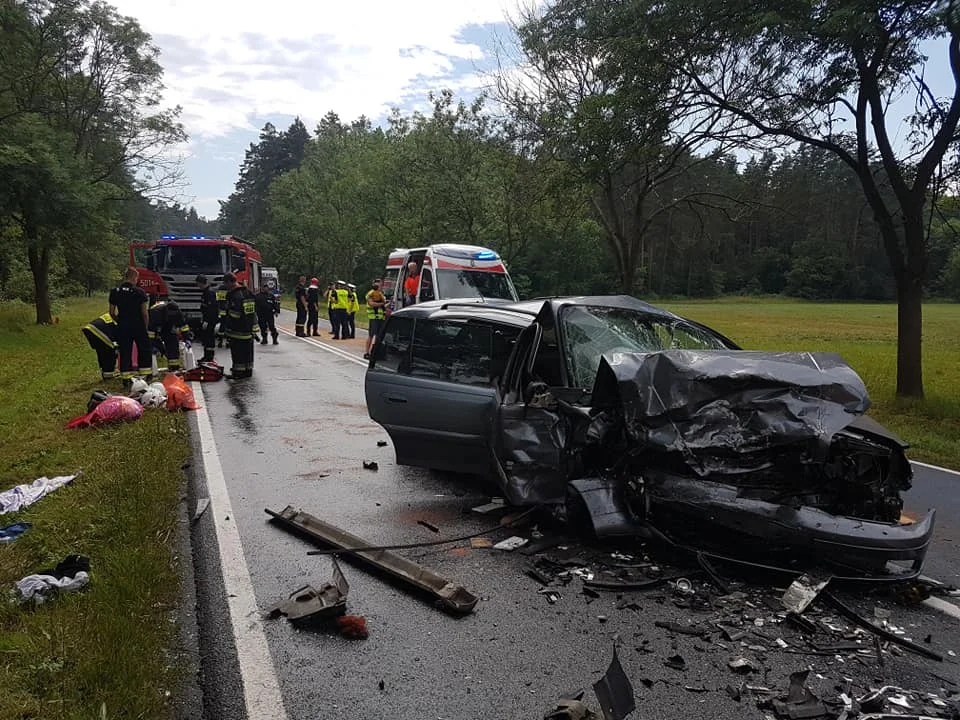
{"points": [[226, 62]]}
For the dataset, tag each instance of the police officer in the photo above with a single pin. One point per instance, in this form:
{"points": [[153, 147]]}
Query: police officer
{"points": [[209, 317], [300, 295], [264, 301], [338, 310], [128, 308], [238, 326], [101, 334], [313, 307], [167, 324], [331, 296], [353, 306]]}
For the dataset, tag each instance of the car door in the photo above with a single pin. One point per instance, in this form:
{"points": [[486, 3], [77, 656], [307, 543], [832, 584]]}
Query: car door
{"points": [[429, 386], [531, 436]]}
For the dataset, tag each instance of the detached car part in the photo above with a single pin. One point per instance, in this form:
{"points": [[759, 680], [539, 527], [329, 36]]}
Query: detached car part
{"points": [[449, 597], [308, 605]]}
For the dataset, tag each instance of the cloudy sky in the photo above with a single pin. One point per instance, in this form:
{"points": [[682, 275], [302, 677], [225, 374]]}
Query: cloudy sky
{"points": [[233, 66]]}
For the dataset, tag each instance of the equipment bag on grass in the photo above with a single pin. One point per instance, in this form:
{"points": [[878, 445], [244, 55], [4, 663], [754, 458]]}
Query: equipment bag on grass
{"points": [[205, 372], [179, 394], [116, 408]]}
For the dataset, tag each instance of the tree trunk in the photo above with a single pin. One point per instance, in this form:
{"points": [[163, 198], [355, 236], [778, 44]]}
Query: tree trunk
{"points": [[40, 268], [909, 334]]}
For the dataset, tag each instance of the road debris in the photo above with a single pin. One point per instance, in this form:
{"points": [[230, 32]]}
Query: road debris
{"points": [[551, 595], [799, 702], [570, 708], [495, 505], [481, 543], [372, 465], [676, 662], [511, 543], [802, 592], [448, 596], [381, 443], [742, 665], [202, 505], [614, 691], [353, 627], [307, 605], [429, 526]]}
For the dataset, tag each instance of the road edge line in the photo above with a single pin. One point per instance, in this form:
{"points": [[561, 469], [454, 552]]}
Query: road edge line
{"points": [[261, 687], [935, 467]]}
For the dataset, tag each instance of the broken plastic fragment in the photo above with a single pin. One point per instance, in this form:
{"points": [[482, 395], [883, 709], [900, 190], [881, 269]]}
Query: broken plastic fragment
{"points": [[372, 465], [511, 543], [742, 665], [614, 691], [676, 662], [802, 592]]}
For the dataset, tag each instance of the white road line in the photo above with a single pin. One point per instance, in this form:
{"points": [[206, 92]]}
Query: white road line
{"points": [[936, 467], [947, 608], [261, 689], [333, 350]]}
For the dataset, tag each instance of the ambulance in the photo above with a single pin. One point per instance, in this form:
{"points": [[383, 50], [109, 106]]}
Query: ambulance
{"points": [[448, 271]]}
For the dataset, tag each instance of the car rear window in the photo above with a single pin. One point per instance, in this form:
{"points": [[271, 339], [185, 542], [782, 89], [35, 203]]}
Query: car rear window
{"points": [[450, 351]]}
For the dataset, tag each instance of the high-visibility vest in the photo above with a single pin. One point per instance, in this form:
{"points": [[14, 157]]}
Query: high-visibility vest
{"points": [[339, 300], [376, 313], [352, 302]]}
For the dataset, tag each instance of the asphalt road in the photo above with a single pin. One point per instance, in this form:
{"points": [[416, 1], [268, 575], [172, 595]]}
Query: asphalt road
{"points": [[297, 434]]}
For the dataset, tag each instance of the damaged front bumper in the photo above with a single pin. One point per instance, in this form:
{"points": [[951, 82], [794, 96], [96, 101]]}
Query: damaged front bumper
{"points": [[718, 521]]}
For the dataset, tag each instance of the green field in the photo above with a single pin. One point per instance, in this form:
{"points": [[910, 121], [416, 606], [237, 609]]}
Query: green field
{"points": [[866, 336], [103, 652]]}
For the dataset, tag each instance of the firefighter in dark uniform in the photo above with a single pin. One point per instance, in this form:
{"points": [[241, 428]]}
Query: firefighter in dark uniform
{"points": [[167, 324], [221, 294], [101, 333], [300, 296], [238, 326], [128, 308], [313, 307], [265, 304], [209, 317]]}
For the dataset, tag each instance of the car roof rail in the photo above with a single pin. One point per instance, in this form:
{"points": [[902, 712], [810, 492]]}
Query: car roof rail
{"points": [[485, 306]]}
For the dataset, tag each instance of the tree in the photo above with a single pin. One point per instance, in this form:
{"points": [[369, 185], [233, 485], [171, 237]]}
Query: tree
{"points": [[825, 75], [627, 141], [81, 130]]}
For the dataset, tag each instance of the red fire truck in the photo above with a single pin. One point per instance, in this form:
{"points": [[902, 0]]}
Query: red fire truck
{"points": [[169, 267]]}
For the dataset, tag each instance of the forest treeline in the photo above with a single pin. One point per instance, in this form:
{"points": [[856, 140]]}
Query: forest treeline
{"points": [[333, 204]]}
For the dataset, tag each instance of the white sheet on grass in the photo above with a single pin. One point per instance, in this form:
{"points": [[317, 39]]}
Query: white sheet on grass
{"points": [[21, 496]]}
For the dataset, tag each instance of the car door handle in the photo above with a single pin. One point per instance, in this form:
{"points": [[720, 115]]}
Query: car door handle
{"points": [[395, 398]]}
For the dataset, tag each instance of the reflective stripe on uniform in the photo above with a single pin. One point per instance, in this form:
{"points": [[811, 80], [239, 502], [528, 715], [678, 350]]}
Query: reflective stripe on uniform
{"points": [[99, 334], [238, 336]]}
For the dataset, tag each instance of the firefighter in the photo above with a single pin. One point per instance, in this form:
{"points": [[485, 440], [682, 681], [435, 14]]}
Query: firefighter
{"points": [[209, 317], [221, 294], [300, 296], [128, 308], [238, 326], [101, 333], [313, 307], [353, 306], [167, 325], [264, 304]]}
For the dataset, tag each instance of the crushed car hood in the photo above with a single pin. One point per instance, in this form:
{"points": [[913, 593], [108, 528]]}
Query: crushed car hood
{"points": [[712, 405]]}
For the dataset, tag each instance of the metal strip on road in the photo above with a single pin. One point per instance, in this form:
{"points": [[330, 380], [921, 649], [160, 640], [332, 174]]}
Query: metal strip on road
{"points": [[329, 348], [261, 688]]}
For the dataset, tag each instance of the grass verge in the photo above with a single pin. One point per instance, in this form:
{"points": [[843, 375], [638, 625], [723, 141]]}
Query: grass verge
{"points": [[866, 336], [104, 652]]}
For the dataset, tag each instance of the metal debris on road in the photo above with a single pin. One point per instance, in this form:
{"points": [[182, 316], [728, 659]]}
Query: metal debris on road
{"points": [[676, 662], [428, 525], [381, 443], [450, 597], [551, 595], [742, 665], [307, 605], [372, 465]]}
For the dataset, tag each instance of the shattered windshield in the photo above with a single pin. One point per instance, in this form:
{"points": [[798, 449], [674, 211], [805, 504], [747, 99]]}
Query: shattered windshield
{"points": [[474, 284], [589, 332]]}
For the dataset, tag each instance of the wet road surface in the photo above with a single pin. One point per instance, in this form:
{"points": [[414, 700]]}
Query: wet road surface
{"points": [[297, 434]]}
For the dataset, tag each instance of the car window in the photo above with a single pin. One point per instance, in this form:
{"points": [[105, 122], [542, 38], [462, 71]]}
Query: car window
{"points": [[392, 352], [454, 352]]}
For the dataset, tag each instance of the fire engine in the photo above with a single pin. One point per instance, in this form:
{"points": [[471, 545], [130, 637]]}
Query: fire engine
{"points": [[169, 267]]}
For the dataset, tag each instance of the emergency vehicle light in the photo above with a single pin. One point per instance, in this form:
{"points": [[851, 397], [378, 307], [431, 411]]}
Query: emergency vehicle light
{"points": [[485, 255]]}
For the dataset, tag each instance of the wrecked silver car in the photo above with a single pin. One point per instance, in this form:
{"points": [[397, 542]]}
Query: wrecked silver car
{"points": [[634, 421]]}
